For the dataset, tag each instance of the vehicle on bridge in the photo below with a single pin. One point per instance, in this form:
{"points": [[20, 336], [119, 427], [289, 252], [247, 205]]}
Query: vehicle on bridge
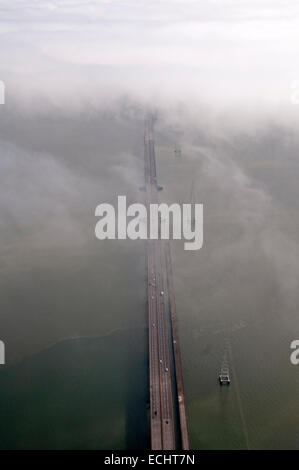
{"points": [[224, 378]]}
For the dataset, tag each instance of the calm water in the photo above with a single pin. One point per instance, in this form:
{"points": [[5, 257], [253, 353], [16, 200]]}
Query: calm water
{"points": [[73, 311]]}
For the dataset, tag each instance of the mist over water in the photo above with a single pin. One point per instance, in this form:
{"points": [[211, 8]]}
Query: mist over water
{"points": [[241, 286], [80, 78]]}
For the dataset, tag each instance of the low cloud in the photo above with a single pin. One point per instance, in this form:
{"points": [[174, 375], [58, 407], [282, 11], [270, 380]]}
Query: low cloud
{"points": [[236, 58]]}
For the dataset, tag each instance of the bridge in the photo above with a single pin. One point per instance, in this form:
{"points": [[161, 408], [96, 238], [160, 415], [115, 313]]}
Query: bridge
{"points": [[168, 420]]}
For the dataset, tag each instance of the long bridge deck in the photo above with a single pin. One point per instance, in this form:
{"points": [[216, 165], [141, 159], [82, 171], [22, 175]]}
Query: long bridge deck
{"points": [[166, 382]]}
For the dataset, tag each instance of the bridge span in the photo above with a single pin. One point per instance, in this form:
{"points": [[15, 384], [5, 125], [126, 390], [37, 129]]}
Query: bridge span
{"points": [[168, 420]]}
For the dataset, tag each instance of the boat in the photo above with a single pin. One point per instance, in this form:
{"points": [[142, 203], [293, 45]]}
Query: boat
{"points": [[224, 378]]}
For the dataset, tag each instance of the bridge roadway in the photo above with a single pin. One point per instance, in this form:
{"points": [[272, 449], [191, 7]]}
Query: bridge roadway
{"points": [[166, 389]]}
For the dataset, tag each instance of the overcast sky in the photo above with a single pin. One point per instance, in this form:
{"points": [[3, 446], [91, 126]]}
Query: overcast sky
{"points": [[223, 54]]}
